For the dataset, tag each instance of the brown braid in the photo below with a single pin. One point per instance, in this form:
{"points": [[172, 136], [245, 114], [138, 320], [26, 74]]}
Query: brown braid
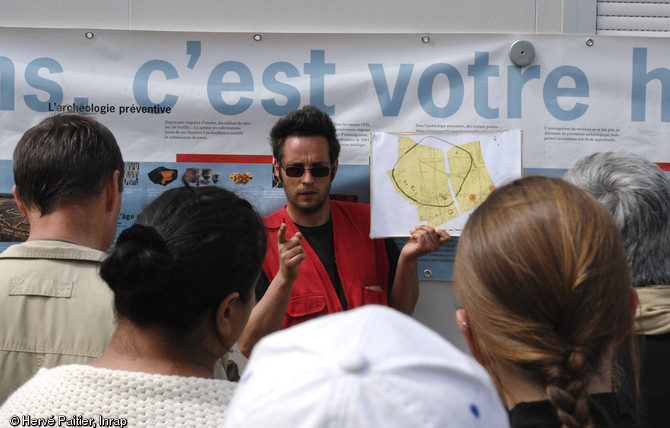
{"points": [[566, 390]]}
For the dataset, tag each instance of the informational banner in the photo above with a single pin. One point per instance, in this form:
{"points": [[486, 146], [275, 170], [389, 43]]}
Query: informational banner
{"points": [[187, 101]]}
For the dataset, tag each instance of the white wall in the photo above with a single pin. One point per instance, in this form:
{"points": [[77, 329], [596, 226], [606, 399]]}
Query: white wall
{"points": [[297, 16]]}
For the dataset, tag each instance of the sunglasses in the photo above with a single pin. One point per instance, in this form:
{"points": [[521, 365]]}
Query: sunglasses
{"points": [[299, 170]]}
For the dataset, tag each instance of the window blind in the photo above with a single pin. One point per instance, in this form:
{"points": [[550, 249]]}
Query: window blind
{"points": [[631, 18]]}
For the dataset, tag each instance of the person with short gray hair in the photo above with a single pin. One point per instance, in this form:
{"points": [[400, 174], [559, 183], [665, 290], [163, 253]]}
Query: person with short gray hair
{"points": [[636, 192]]}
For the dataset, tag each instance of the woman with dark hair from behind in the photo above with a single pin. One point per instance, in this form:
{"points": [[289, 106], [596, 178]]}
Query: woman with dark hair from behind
{"points": [[547, 301], [182, 278]]}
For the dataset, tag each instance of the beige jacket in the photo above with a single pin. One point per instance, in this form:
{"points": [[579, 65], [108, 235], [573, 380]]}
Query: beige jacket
{"points": [[54, 309]]}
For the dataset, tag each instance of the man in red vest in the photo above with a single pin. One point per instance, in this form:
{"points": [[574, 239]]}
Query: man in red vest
{"points": [[320, 258]]}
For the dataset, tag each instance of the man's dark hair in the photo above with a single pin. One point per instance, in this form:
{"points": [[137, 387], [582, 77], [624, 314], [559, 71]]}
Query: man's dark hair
{"points": [[187, 251], [307, 121], [65, 159]]}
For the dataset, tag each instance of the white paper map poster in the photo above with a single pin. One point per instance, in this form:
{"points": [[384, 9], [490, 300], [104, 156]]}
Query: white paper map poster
{"points": [[437, 179]]}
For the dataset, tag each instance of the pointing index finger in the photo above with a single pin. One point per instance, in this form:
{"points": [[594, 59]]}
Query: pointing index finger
{"points": [[281, 235]]}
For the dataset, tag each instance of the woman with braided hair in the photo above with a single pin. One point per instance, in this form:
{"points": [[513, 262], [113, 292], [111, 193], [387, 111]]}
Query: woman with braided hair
{"points": [[547, 303], [183, 278]]}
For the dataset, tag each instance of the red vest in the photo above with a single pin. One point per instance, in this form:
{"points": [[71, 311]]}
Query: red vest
{"points": [[361, 263]]}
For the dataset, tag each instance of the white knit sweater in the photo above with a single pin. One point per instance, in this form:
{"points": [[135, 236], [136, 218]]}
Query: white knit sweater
{"points": [[80, 393]]}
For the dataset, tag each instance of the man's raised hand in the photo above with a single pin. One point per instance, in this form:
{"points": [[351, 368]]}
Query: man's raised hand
{"points": [[291, 253]]}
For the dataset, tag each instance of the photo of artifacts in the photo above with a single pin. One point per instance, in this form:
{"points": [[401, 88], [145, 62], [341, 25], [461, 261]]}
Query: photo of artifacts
{"points": [[196, 176], [205, 176], [163, 176], [200, 176]]}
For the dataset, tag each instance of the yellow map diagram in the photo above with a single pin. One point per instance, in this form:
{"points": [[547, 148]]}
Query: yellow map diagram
{"points": [[421, 177]]}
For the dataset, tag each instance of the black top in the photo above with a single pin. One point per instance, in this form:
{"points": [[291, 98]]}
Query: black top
{"points": [[607, 411], [655, 380], [320, 238]]}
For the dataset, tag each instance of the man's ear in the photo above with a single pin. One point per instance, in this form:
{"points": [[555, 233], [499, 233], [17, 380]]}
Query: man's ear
{"points": [[334, 171], [277, 171], [112, 191], [466, 331], [18, 202]]}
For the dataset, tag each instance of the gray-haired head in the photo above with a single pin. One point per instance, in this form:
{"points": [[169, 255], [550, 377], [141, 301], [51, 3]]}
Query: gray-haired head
{"points": [[636, 192]]}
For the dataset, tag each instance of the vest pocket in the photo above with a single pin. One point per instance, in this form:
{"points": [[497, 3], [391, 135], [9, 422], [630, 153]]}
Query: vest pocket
{"points": [[305, 307], [375, 294]]}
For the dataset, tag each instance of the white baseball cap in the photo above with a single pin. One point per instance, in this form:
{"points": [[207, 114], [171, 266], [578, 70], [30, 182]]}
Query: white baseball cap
{"points": [[368, 367]]}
